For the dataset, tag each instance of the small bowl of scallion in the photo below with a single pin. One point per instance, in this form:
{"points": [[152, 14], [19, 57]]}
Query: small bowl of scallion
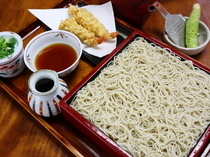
{"points": [[11, 54]]}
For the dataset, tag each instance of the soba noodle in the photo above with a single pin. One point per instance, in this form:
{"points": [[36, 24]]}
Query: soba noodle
{"points": [[148, 101]]}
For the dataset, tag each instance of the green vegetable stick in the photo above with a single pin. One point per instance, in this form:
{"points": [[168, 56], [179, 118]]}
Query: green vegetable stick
{"points": [[192, 27]]}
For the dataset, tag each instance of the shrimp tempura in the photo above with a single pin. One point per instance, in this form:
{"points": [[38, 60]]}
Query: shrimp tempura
{"points": [[87, 20], [83, 34]]}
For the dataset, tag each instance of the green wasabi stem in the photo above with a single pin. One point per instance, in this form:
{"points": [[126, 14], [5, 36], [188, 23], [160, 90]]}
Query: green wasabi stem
{"points": [[192, 27]]}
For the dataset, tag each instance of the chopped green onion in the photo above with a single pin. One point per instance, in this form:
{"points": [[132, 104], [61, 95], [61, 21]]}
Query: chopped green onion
{"points": [[2, 40], [7, 46], [12, 40]]}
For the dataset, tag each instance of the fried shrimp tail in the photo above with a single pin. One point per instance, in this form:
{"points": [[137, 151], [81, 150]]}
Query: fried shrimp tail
{"points": [[112, 35], [87, 20], [85, 35]]}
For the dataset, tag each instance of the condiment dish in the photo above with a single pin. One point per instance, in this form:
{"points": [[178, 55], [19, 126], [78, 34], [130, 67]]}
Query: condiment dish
{"points": [[11, 52], [203, 40], [43, 43]]}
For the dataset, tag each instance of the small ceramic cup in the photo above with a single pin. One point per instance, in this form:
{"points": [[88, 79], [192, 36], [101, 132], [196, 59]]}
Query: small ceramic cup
{"points": [[13, 64], [46, 90]]}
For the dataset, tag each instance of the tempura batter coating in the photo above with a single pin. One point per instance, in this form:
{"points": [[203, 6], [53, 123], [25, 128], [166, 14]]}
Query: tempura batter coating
{"points": [[87, 20], [82, 33]]}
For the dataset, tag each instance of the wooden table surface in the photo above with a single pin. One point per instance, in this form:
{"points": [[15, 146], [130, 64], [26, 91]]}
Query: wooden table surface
{"points": [[20, 134]]}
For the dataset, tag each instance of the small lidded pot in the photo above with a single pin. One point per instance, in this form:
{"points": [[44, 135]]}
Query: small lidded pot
{"points": [[11, 54], [46, 90]]}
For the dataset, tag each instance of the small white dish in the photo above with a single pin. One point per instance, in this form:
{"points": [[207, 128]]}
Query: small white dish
{"points": [[203, 39], [48, 38]]}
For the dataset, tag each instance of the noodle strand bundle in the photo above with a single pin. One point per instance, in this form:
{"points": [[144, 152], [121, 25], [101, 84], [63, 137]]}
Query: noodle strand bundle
{"points": [[149, 101]]}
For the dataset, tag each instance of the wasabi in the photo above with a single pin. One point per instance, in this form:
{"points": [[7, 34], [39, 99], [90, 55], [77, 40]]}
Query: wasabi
{"points": [[192, 27]]}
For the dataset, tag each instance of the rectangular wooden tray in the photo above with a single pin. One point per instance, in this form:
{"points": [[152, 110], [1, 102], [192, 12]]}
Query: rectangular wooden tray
{"points": [[69, 136], [92, 131]]}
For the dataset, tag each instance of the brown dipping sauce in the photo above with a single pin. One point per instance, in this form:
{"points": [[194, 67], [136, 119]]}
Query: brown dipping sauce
{"points": [[56, 57]]}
